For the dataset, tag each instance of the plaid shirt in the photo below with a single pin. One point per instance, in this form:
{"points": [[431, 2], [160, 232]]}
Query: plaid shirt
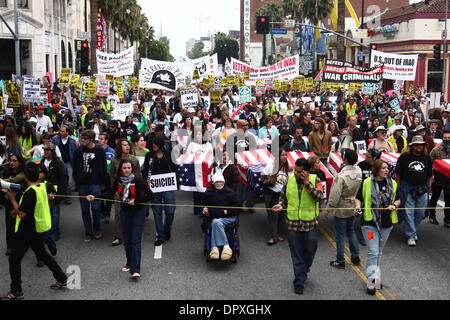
{"points": [[439, 153], [317, 193]]}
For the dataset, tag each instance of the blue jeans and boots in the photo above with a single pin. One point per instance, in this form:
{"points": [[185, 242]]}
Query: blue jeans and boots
{"points": [[91, 224], [70, 175], [163, 228], [218, 235], [343, 227], [55, 219], [375, 243], [132, 229], [303, 247]]}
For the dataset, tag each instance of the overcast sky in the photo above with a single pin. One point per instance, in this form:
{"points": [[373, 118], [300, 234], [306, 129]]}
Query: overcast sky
{"points": [[183, 20]]}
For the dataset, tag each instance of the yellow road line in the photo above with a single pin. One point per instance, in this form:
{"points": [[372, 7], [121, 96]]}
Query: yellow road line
{"points": [[347, 259]]}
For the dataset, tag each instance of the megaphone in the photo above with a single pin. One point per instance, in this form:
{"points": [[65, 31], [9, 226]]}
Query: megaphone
{"points": [[14, 187]]}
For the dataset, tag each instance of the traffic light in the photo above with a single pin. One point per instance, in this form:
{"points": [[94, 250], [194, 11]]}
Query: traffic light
{"points": [[373, 46], [262, 25], [84, 63], [437, 56], [25, 51]]}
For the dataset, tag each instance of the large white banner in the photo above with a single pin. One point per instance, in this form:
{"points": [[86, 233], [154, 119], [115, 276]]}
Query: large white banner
{"points": [[396, 66], [205, 65], [162, 75], [119, 65], [285, 69]]}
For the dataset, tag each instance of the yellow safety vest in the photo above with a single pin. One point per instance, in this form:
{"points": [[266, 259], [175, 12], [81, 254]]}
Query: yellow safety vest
{"points": [[367, 196], [42, 214], [306, 208]]}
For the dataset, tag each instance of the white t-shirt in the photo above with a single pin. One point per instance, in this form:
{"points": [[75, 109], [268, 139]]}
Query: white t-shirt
{"points": [[113, 99], [282, 178], [43, 123]]}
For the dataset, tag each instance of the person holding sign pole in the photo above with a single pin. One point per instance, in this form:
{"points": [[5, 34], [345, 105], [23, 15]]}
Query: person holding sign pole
{"points": [[133, 192], [159, 162]]}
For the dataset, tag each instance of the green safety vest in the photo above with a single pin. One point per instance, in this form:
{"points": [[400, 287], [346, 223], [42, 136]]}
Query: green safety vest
{"points": [[41, 211], [389, 122], [351, 109], [271, 108], [367, 196], [107, 108], [27, 143], [306, 208]]}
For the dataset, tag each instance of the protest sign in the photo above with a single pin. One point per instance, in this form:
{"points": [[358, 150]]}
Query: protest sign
{"points": [[287, 68], [245, 94], [31, 92], [161, 75], [189, 98], [74, 79], [103, 88], [119, 82], [118, 65], [396, 66], [260, 89], [395, 104], [163, 182], [214, 96], [120, 93], [90, 89], [12, 90], [65, 77], [346, 72], [121, 111]]}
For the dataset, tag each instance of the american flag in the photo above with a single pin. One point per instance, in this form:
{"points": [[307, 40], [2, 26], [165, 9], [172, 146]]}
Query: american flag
{"points": [[293, 156], [251, 158], [442, 166], [254, 179], [195, 171]]}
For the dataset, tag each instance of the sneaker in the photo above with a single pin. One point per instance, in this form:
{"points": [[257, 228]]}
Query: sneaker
{"points": [[116, 242], [135, 276], [98, 235], [356, 261], [159, 242], [416, 238], [337, 265], [87, 239], [371, 288], [126, 269], [214, 254], [226, 254], [411, 242], [13, 296], [58, 285]]}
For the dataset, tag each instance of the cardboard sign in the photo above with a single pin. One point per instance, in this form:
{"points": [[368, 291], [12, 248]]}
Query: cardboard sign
{"points": [[110, 78], [120, 93], [189, 98], [12, 90], [163, 182], [31, 91], [361, 146], [121, 111], [119, 82], [196, 75], [74, 79], [217, 83]]}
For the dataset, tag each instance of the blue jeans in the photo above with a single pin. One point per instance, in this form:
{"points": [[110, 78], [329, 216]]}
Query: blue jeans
{"points": [[413, 217], [55, 219], [303, 247], [167, 197], [132, 228], [218, 235], [70, 175], [374, 250], [344, 226], [95, 190], [244, 196]]}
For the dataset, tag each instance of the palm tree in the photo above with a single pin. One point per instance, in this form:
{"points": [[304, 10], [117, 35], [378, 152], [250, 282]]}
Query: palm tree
{"points": [[275, 13], [315, 11]]}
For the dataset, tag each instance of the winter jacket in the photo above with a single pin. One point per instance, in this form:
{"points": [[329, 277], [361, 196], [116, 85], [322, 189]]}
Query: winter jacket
{"points": [[222, 198]]}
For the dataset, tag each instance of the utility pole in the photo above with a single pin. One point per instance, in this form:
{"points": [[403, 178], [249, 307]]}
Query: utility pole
{"points": [[444, 57], [16, 39]]}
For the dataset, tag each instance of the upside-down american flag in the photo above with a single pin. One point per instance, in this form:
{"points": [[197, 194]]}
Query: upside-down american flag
{"points": [[195, 171]]}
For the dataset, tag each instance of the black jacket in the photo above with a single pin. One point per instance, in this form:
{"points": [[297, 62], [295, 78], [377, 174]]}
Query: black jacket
{"points": [[222, 198], [139, 191], [57, 175]]}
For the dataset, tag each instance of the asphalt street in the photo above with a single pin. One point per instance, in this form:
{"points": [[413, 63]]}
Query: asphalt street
{"points": [[262, 272]]}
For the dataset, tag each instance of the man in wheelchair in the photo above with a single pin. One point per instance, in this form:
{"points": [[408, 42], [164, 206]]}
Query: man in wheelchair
{"points": [[220, 196]]}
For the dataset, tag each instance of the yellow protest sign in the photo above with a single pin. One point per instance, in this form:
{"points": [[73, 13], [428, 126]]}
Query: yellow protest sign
{"points": [[65, 77], [2, 105], [295, 84], [90, 89], [214, 96], [12, 90], [247, 75], [74, 79], [277, 85], [119, 82], [120, 93], [205, 83], [196, 75], [110, 77], [224, 83]]}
